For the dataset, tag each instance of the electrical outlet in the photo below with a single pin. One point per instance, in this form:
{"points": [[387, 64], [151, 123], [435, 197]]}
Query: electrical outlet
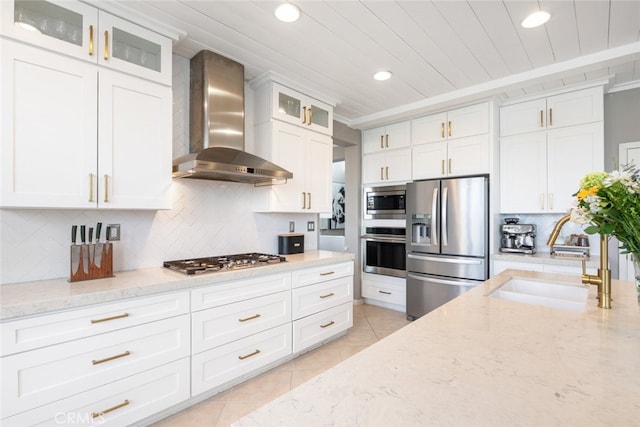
{"points": [[114, 232], [292, 226], [311, 226]]}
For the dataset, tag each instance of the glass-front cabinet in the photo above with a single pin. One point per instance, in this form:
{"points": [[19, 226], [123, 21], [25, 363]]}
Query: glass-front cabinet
{"points": [[84, 32], [296, 108]]}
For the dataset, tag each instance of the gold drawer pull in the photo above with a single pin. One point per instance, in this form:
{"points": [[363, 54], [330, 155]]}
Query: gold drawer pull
{"points": [[249, 355], [90, 40], [328, 273], [550, 116], [385, 292], [327, 295], [442, 129], [113, 408], [255, 316], [541, 118], [106, 319], [450, 127], [328, 324], [107, 359]]}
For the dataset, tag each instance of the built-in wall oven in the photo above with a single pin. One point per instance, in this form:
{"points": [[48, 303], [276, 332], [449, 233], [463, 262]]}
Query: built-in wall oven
{"points": [[383, 251], [385, 202]]}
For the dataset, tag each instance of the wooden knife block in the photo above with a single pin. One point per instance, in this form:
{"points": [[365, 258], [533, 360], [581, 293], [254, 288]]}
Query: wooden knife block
{"points": [[87, 257]]}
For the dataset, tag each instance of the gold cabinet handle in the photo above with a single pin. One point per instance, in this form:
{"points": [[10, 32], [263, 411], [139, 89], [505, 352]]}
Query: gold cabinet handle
{"points": [[385, 292], [304, 200], [387, 171], [309, 200], [106, 45], [90, 40], [255, 316], [442, 129], [442, 166], [449, 165], [327, 295], [249, 355], [387, 140], [304, 114], [381, 173], [113, 408], [449, 127], [327, 273], [541, 201], [381, 141], [328, 324], [550, 201], [106, 188], [106, 319], [310, 116], [107, 359], [541, 118], [91, 188], [550, 116]]}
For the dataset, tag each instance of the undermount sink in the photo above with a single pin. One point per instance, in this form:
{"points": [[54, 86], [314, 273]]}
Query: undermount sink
{"points": [[548, 294]]}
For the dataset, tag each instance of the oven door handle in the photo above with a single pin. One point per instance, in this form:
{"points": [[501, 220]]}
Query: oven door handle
{"points": [[383, 239], [448, 260]]}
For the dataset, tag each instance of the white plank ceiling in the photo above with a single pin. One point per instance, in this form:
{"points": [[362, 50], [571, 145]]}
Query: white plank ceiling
{"points": [[441, 52]]}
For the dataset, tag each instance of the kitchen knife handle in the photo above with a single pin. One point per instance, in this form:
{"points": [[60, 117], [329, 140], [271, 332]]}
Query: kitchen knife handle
{"points": [[90, 234], [108, 233], [83, 234], [106, 188], [91, 188], [74, 232], [98, 231]]}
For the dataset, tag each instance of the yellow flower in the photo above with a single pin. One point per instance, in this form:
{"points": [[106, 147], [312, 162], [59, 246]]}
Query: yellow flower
{"points": [[586, 192]]}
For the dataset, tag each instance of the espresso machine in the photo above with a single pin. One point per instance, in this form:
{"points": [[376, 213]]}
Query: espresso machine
{"points": [[518, 238]]}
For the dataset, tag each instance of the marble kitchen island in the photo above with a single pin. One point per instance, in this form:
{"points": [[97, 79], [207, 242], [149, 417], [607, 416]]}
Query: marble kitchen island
{"points": [[480, 361]]}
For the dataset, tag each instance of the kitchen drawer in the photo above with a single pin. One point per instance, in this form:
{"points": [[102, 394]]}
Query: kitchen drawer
{"points": [[30, 333], [220, 365], [320, 296], [41, 376], [392, 293], [309, 276], [147, 393], [238, 290], [217, 326], [321, 326]]}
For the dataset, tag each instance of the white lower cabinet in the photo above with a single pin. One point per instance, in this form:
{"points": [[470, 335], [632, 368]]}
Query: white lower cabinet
{"points": [[386, 291], [117, 403], [321, 326]]}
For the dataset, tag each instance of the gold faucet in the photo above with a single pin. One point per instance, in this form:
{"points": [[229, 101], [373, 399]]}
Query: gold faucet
{"points": [[603, 279]]}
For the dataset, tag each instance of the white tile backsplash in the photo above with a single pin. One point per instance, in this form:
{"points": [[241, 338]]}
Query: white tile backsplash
{"points": [[207, 218]]}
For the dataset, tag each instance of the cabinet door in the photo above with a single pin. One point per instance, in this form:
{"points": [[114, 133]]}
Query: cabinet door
{"points": [[319, 116], [429, 129], [287, 104], [373, 140], [49, 120], [429, 160], [373, 168], [398, 135], [573, 152], [523, 117], [127, 47], [468, 155], [135, 143], [68, 27], [523, 173], [468, 121], [398, 166], [319, 170], [574, 108]]}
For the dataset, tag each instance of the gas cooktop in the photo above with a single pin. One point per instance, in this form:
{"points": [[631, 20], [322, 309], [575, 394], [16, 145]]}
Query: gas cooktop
{"points": [[223, 263]]}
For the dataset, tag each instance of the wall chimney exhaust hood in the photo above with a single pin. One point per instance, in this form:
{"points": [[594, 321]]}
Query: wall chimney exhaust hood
{"points": [[216, 147]]}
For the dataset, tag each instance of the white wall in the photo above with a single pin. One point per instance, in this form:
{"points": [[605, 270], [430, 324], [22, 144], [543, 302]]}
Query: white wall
{"points": [[208, 218]]}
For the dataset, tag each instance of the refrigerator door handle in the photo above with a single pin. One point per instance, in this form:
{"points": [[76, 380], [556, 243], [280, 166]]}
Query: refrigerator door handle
{"points": [[445, 231], [449, 260], [434, 215], [457, 282]]}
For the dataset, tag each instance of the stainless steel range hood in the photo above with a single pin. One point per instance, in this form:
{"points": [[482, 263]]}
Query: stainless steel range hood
{"points": [[216, 144]]}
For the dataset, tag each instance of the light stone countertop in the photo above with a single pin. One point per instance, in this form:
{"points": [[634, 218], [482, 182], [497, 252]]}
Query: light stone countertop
{"points": [[41, 297], [545, 258], [480, 361]]}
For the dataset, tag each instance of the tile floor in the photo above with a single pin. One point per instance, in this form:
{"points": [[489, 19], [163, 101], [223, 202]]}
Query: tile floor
{"points": [[370, 324]]}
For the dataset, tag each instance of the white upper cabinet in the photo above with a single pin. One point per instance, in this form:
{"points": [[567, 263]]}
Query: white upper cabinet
{"points": [[458, 123], [276, 101], [387, 167], [84, 32], [389, 137], [566, 109]]}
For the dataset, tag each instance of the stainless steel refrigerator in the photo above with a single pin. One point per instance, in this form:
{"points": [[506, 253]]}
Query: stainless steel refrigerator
{"points": [[447, 240]]}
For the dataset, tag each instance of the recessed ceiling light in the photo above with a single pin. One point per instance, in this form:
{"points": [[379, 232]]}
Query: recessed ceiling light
{"points": [[382, 75], [287, 12], [535, 19]]}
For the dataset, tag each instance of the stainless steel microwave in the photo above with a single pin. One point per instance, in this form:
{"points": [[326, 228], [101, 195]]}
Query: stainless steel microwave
{"points": [[385, 202]]}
